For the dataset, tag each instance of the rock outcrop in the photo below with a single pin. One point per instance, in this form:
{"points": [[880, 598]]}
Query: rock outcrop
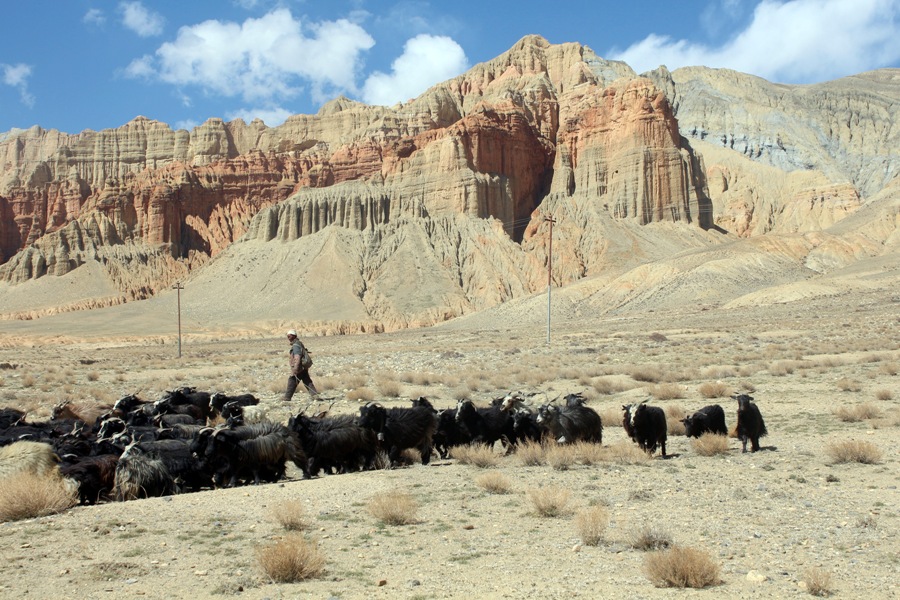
{"points": [[444, 200]]}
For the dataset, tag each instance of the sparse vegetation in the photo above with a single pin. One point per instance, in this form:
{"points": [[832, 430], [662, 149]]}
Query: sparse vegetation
{"points": [[530, 454], [362, 394], [27, 495], [494, 482], [884, 395], [550, 501], [667, 391], [710, 444], [394, 508], [560, 456], [682, 567], [477, 455], [591, 523], [290, 514], [650, 538], [858, 412], [818, 582], [848, 451], [846, 384], [291, 559], [714, 389]]}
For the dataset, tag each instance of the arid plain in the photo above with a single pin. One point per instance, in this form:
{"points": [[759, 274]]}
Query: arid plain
{"points": [[823, 371]]}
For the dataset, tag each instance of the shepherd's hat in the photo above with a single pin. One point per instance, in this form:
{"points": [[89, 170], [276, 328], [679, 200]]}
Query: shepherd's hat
{"points": [[292, 332]]}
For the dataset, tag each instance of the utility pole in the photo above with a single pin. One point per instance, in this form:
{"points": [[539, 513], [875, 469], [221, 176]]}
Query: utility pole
{"points": [[179, 287], [551, 220]]}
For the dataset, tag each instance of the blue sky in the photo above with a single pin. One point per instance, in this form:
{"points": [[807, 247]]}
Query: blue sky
{"points": [[92, 64]]}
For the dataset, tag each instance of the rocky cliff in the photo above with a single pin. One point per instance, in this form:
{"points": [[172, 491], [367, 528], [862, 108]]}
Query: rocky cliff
{"points": [[444, 201]]}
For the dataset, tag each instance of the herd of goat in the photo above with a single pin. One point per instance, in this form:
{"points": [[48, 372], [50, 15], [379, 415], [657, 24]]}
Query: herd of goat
{"points": [[137, 449]]}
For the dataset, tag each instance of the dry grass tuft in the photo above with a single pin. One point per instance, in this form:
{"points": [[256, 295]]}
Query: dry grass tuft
{"points": [[530, 454], [710, 444], [551, 501], [884, 395], [650, 538], [845, 384], [667, 391], [848, 451], [682, 567], [560, 456], [626, 453], [27, 495], [818, 582], [611, 416], [889, 368], [291, 559], [647, 373], [394, 508], [290, 514], [477, 455], [362, 394], [714, 390], [674, 426], [857, 413], [588, 453], [389, 388], [591, 524], [494, 482]]}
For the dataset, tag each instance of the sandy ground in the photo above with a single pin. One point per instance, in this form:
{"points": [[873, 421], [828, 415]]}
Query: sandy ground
{"points": [[765, 518]]}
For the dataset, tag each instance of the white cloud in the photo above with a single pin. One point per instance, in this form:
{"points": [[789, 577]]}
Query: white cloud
{"points": [[426, 60], [94, 16], [798, 41], [17, 76], [270, 116], [188, 124], [144, 22], [261, 60]]}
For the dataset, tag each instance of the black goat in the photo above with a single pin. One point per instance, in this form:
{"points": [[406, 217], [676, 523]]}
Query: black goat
{"points": [[253, 451], [486, 425], [646, 425], [709, 419], [750, 424], [449, 433], [572, 423], [10, 417], [335, 442], [95, 476], [400, 428], [218, 401], [188, 395], [525, 426]]}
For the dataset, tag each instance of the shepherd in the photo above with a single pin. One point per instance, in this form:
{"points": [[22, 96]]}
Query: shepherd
{"points": [[300, 362]]}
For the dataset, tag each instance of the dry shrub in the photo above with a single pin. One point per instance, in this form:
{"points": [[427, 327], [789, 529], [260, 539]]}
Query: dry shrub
{"points": [[291, 559], [389, 388], [611, 416], [494, 482], [560, 456], [394, 508], [322, 384], [362, 394], [675, 411], [530, 454], [657, 337], [666, 391], [591, 523], [462, 393], [889, 368], [647, 373], [710, 444], [588, 453], [845, 384], [606, 386], [857, 451], [27, 495], [713, 390], [290, 514], [357, 380], [884, 395], [626, 453], [857, 413], [650, 538], [782, 367], [682, 567], [818, 582], [550, 501], [477, 455], [93, 376], [28, 380], [674, 426], [718, 372]]}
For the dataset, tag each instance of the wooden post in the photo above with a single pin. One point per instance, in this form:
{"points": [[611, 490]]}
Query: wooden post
{"points": [[551, 220], [179, 287]]}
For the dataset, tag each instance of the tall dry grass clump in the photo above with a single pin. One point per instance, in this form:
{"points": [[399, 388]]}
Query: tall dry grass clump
{"points": [[818, 582], [858, 412], [530, 454], [846, 384], [626, 453], [394, 508], [611, 416], [667, 391], [388, 387], [27, 495], [647, 373], [290, 514], [550, 501], [682, 567], [292, 558], [494, 482], [884, 395], [648, 537], [362, 394], [715, 389], [560, 456], [477, 455], [591, 524], [588, 453], [850, 451], [710, 444]]}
